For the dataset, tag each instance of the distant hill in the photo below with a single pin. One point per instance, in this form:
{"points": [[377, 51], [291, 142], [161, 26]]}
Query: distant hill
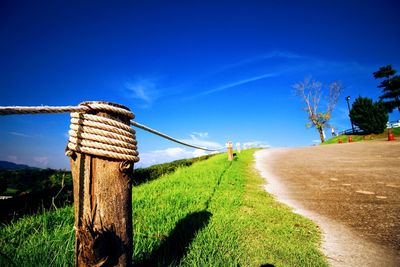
{"points": [[6, 165]]}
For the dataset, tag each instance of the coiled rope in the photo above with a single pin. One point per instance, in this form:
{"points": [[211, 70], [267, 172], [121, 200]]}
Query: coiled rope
{"points": [[97, 135]]}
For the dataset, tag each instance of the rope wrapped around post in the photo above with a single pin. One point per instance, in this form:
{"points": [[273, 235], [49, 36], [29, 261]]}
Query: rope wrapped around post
{"points": [[100, 136]]}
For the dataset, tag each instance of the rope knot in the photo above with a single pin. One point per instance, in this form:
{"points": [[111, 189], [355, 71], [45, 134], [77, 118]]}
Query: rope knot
{"points": [[106, 137]]}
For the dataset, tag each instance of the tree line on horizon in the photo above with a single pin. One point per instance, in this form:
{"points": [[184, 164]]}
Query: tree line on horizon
{"points": [[370, 116]]}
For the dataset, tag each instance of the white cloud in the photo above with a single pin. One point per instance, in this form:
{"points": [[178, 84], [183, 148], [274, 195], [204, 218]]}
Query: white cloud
{"points": [[37, 161], [143, 89], [42, 161], [175, 153], [201, 134], [199, 153], [168, 155], [13, 158], [198, 139], [258, 144]]}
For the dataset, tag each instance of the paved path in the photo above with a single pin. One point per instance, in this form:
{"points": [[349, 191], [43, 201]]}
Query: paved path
{"points": [[352, 191]]}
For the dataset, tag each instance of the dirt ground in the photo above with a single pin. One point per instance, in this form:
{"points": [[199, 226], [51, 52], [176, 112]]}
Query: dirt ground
{"points": [[353, 188]]}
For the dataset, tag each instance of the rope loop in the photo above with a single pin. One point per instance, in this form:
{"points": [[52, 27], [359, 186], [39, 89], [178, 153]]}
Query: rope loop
{"points": [[96, 135], [107, 107]]}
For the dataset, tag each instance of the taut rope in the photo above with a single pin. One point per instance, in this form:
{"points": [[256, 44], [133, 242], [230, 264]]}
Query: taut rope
{"points": [[97, 135]]}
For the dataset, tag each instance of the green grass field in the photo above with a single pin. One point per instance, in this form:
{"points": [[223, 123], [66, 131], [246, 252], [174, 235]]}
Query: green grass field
{"points": [[213, 213], [357, 138]]}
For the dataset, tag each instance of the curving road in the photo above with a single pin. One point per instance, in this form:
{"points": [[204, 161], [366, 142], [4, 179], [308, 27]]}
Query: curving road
{"points": [[352, 191]]}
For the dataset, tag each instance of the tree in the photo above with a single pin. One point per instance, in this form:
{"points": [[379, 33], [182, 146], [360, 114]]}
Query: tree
{"points": [[390, 87], [311, 91], [3, 184], [370, 116]]}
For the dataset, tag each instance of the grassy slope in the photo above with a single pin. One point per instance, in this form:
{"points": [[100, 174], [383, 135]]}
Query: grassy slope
{"points": [[42, 240], [214, 213], [356, 138], [272, 233]]}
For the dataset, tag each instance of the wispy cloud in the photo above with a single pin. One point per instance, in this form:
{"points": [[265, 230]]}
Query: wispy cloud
{"points": [[234, 84], [259, 58], [14, 159], [293, 62], [243, 66], [144, 89], [36, 161], [200, 134], [42, 161], [201, 139], [19, 134]]}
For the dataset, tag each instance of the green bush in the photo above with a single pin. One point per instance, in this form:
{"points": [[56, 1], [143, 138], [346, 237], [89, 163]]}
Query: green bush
{"points": [[370, 116], [35, 180], [3, 184]]}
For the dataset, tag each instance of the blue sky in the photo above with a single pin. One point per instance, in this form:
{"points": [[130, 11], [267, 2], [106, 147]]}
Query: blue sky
{"points": [[201, 71]]}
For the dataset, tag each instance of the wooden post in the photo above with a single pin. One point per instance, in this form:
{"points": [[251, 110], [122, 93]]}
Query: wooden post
{"points": [[229, 145], [238, 147], [103, 206]]}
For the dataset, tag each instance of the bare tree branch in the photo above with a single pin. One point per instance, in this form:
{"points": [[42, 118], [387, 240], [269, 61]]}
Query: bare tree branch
{"points": [[311, 91]]}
